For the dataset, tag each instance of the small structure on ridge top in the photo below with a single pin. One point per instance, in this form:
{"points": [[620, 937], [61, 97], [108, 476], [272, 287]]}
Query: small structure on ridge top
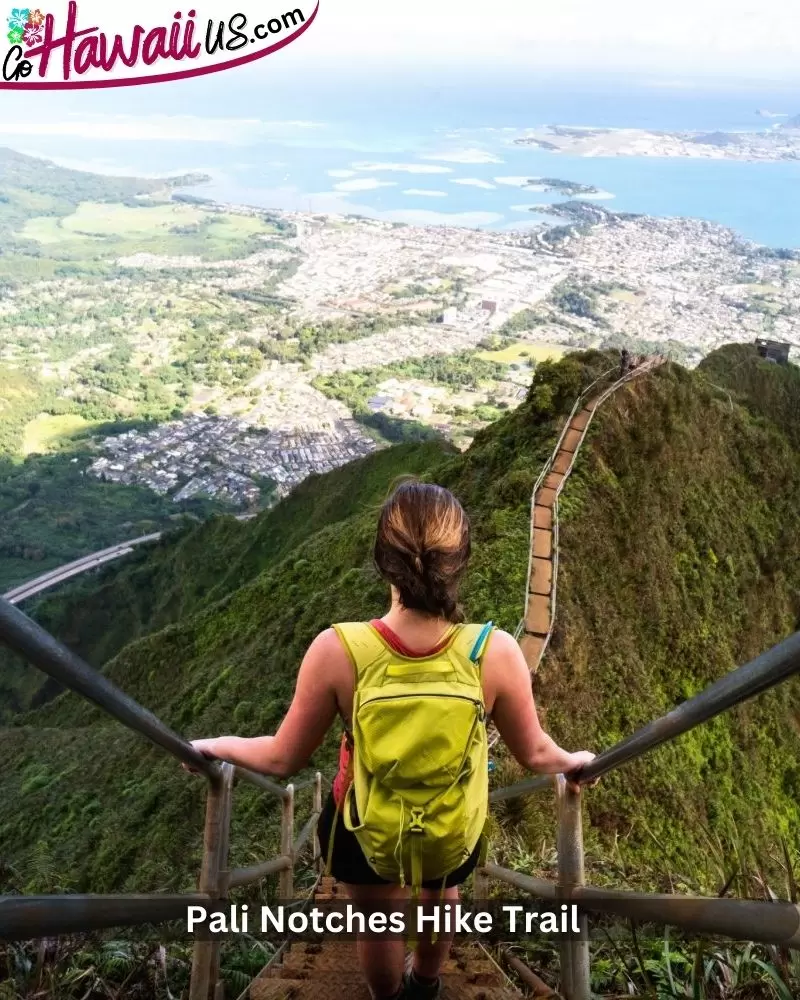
{"points": [[773, 350]]}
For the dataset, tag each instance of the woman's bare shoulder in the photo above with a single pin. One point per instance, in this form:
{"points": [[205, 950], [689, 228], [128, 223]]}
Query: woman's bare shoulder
{"points": [[328, 646], [504, 669], [501, 646]]}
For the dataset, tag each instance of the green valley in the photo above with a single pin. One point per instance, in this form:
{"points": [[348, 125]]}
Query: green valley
{"points": [[680, 534]]}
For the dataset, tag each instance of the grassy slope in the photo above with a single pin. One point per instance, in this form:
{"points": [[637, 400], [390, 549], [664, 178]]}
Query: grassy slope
{"points": [[169, 580], [680, 559]]}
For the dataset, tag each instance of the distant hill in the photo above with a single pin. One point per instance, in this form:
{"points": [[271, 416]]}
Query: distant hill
{"points": [[680, 558], [793, 122], [716, 139], [30, 187]]}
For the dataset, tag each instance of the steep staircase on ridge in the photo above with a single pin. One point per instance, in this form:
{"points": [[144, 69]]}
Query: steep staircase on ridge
{"points": [[540, 604], [329, 970]]}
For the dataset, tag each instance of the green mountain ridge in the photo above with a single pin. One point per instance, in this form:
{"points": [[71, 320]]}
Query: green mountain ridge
{"points": [[680, 559]]}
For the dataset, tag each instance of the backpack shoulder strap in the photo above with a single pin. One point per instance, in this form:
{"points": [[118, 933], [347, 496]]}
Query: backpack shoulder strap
{"points": [[364, 646], [470, 644]]}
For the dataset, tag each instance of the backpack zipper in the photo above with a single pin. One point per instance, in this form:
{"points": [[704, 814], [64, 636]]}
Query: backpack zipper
{"points": [[460, 697]]}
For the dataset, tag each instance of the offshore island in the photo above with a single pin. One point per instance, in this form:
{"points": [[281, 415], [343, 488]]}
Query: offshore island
{"points": [[779, 142]]}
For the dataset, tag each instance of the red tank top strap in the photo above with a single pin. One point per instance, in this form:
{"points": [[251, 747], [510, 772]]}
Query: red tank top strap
{"points": [[392, 639]]}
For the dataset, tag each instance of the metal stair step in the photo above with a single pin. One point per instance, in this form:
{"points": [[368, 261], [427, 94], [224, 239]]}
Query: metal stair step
{"points": [[344, 989]]}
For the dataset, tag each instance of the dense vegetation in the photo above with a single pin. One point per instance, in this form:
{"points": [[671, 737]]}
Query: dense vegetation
{"points": [[50, 510], [97, 346], [195, 567], [769, 390], [680, 559], [454, 372]]}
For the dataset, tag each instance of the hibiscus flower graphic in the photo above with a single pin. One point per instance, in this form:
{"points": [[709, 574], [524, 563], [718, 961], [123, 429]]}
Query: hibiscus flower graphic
{"points": [[33, 34], [19, 18], [36, 18], [16, 35]]}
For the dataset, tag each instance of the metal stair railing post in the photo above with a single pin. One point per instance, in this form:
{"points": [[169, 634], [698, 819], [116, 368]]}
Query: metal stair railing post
{"points": [[228, 778], [575, 957], [318, 811], [286, 879], [215, 850], [480, 886]]}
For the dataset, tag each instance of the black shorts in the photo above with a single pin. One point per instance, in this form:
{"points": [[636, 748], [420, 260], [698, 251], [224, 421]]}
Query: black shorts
{"points": [[349, 865]]}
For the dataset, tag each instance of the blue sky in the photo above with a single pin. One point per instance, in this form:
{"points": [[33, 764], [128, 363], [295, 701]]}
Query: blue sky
{"points": [[421, 55]]}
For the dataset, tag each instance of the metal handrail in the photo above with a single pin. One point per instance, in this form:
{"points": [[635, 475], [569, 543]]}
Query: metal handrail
{"points": [[24, 917], [246, 876], [28, 639], [305, 835], [766, 671], [772, 923]]}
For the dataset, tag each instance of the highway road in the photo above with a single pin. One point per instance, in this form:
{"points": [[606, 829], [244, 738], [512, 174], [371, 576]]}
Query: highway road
{"points": [[55, 576]]}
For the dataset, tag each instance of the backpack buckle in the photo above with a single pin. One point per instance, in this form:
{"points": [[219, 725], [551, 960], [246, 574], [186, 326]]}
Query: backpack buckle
{"points": [[417, 815]]}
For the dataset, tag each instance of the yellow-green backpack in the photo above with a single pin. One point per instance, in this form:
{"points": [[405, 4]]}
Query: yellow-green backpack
{"points": [[419, 797]]}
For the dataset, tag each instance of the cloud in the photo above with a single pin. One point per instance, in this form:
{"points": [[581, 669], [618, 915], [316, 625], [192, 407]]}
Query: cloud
{"points": [[341, 173], [425, 193], [363, 184], [733, 36], [408, 168], [472, 182], [465, 156], [167, 128]]}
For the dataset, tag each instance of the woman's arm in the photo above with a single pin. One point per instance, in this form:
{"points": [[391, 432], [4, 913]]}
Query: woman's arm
{"points": [[310, 716], [514, 712]]}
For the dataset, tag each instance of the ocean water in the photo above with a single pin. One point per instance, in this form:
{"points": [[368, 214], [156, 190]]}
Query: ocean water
{"points": [[431, 153]]}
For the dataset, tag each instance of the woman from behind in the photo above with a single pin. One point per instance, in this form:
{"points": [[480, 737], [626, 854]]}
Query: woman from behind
{"points": [[422, 551]]}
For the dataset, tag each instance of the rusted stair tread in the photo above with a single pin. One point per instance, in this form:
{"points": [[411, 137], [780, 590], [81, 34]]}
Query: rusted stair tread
{"points": [[580, 421], [331, 988], [541, 575], [593, 403], [553, 481], [337, 958], [571, 440], [336, 989], [562, 462], [542, 543], [546, 497], [485, 975], [306, 957], [532, 646], [537, 616], [543, 517], [328, 970]]}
